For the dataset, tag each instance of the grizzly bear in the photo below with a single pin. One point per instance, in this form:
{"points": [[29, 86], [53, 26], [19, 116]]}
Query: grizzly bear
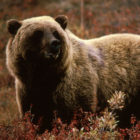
{"points": [[56, 70]]}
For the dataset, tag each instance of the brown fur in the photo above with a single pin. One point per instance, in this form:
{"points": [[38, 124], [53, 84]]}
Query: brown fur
{"points": [[84, 73]]}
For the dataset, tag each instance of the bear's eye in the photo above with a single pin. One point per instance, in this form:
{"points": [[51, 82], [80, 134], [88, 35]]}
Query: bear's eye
{"points": [[55, 46], [37, 35], [56, 35]]}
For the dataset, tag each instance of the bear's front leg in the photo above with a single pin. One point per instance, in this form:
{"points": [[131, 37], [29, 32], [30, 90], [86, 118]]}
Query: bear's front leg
{"points": [[22, 98]]}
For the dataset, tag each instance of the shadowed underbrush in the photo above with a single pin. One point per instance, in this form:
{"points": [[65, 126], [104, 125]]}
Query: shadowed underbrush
{"points": [[84, 126]]}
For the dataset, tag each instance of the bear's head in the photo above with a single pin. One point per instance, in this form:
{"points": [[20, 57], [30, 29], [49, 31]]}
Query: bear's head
{"points": [[38, 38]]}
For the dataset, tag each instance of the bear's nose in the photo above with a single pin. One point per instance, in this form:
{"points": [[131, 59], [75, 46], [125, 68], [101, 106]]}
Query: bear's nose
{"points": [[55, 46]]}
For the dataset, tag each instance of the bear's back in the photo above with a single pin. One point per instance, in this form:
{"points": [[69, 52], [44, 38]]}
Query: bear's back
{"points": [[121, 57]]}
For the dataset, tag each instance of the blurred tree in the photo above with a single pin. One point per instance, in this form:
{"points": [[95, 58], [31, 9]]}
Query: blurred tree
{"points": [[82, 14]]}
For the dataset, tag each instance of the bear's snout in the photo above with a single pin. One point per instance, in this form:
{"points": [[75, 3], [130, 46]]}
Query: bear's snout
{"points": [[52, 50], [55, 46]]}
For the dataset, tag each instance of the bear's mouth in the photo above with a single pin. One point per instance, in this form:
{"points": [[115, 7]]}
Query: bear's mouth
{"points": [[51, 56]]}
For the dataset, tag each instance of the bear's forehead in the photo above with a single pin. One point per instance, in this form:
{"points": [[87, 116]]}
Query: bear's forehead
{"points": [[39, 19], [42, 22]]}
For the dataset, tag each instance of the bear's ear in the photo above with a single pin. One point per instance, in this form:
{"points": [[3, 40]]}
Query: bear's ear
{"points": [[13, 25], [62, 20]]}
